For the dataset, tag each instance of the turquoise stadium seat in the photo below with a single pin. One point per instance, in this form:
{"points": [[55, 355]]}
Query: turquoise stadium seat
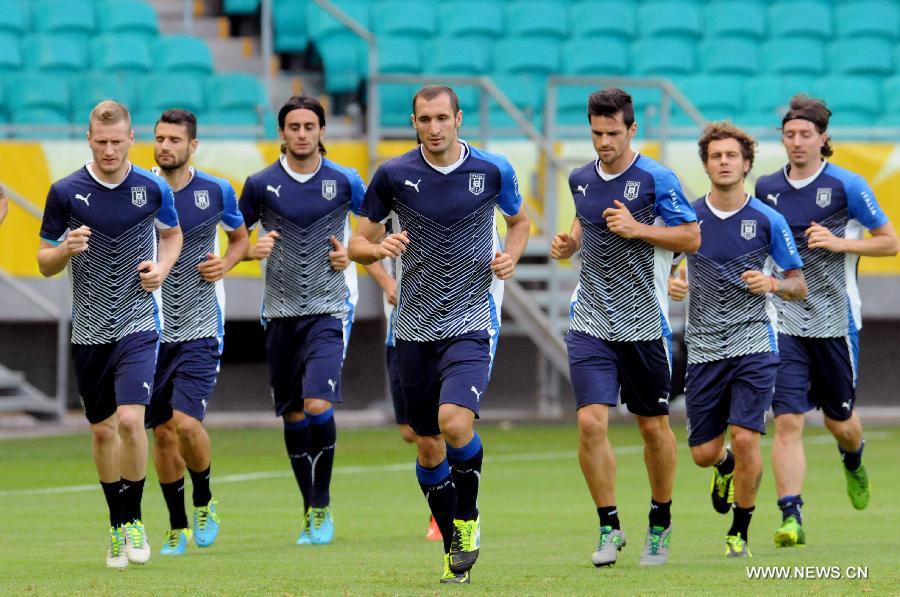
{"points": [[537, 20], [36, 99], [526, 93], [571, 105], [662, 57], [395, 56], [183, 54], [855, 101], [396, 104], [891, 88], [120, 54], [875, 18], [861, 56], [235, 92], [132, 17], [796, 56], [229, 124], [470, 104], [159, 92], [76, 20], [676, 18], [322, 25], [10, 53], [90, 88], [289, 25], [471, 20], [767, 97], [590, 19], [393, 18], [738, 56], [717, 97], [448, 56], [13, 19], [240, 7], [788, 20], [54, 53], [600, 56], [732, 18], [341, 61], [526, 56]]}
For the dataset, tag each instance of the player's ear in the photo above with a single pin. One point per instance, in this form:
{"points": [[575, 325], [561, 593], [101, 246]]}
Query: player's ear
{"points": [[632, 130], [321, 132], [192, 146], [459, 115]]}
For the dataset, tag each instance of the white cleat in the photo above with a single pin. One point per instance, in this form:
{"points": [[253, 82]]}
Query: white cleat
{"points": [[115, 555], [137, 548]]}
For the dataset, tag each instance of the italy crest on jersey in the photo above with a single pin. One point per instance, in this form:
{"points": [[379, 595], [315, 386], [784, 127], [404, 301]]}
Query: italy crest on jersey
{"points": [[329, 189], [476, 183], [632, 188], [823, 197], [139, 196], [748, 229], [201, 199]]}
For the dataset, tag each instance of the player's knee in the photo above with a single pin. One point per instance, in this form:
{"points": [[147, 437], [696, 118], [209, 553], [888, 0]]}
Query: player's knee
{"points": [[788, 427], [408, 435], [744, 442], [188, 428], [104, 431], [131, 420], [165, 435], [654, 429], [706, 455], [431, 449], [591, 427]]}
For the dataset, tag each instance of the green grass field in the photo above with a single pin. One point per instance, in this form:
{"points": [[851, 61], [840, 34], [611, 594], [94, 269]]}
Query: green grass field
{"points": [[538, 523]]}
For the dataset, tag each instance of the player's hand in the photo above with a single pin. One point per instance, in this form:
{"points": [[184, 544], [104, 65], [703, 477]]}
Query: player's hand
{"points": [[338, 257], [503, 266], [76, 241], [620, 221], [264, 245], [151, 275], [212, 269], [757, 282], [678, 285], [390, 293], [393, 245], [820, 237], [563, 246]]}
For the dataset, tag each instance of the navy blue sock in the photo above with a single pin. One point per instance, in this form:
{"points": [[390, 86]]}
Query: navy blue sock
{"points": [[726, 465], [660, 513], [113, 494], [740, 524], [322, 438], [852, 460], [132, 493], [202, 494], [173, 493], [296, 440], [465, 466], [790, 505], [609, 516], [437, 486]]}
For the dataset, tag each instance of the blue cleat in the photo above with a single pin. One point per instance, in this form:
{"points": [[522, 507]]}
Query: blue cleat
{"points": [[321, 525], [305, 538], [176, 542], [206, 524]]}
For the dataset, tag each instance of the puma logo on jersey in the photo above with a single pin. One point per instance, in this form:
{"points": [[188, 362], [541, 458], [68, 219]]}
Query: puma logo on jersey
{"points": [[773, 198], [276, 190], [83, 198], [477, 394], [583, 190], [148, 387], [412, 184], [333, 385]]}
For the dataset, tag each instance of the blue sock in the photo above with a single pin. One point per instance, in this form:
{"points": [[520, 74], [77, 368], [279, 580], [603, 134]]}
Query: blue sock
{"points": [[437, 486], [322, 439], [465, 464], [296, 440], [852, 460], [790, 505]]}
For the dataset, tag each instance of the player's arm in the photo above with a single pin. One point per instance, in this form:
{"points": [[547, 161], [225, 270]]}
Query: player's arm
{"points": [[881, 243], [517, 228], [152, 273], [791, 288], [387, 283], [368, 243], [214, 267], [53, 259], [563, 245], [681, 238]]}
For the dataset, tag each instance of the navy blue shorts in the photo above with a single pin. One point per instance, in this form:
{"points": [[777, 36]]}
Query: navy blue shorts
{"points": [[451, 371], [306, 355], [817, 373], [185, 377], [115, 373], [393, 370], [642, 369], [735, 391]]}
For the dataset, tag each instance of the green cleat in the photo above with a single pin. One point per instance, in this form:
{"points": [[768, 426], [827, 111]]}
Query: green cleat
{"points": [[115, 555], [465, 544], [790, 533], [453, 578], [722, 491], [611, 542], [736, 547], [656, 547], [858, 486]]}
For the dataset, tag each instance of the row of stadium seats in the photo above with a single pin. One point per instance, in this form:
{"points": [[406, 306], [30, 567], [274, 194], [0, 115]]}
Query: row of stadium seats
{"points": [[55, 99], [78, 19]]}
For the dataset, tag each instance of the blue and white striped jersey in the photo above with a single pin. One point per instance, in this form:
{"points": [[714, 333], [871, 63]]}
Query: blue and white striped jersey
{"points": [[107, 299], [446, 287], [844, 203], [194, 308], [299, 279], [621, 293], [725, 319]]}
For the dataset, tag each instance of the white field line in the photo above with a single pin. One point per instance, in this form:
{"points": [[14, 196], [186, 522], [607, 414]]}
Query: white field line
{"points": [[403, 467]]}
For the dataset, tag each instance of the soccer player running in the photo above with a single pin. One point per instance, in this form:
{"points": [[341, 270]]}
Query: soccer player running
{"points": [[730, 333], [193, 306], [100, 220], [302, 203], [630, 215], [452, 265], [828, 208]]}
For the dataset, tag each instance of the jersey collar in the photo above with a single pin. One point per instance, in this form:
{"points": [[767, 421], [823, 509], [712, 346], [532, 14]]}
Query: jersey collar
{"points": [[608, 177], [87, 166]]}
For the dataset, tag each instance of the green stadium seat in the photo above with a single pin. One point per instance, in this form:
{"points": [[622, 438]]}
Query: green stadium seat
{"points": [[340, 55], [789, 20], [717, 97], [891, 94], [675, 18], [13, 19], [536, 20], [93, 87], [135, 18], [76, 20], [588, 19], [289, 25], [526, 93], [738, 56], [399, 55], [662, 57], [37, 98], [571, 105], [796, 56], [526, 56], [766, 98], [861, 56], [600, 56], [471, 19], [395, 100], [120, 54], [448, 56], [240, 7], [183, 54], [54, 53], [163, 91], [875, 18], [470, 104], [229, 124], [855, 101], [322, 25], [394, 17], [235, 92], [733, 18], [10, 53]]}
